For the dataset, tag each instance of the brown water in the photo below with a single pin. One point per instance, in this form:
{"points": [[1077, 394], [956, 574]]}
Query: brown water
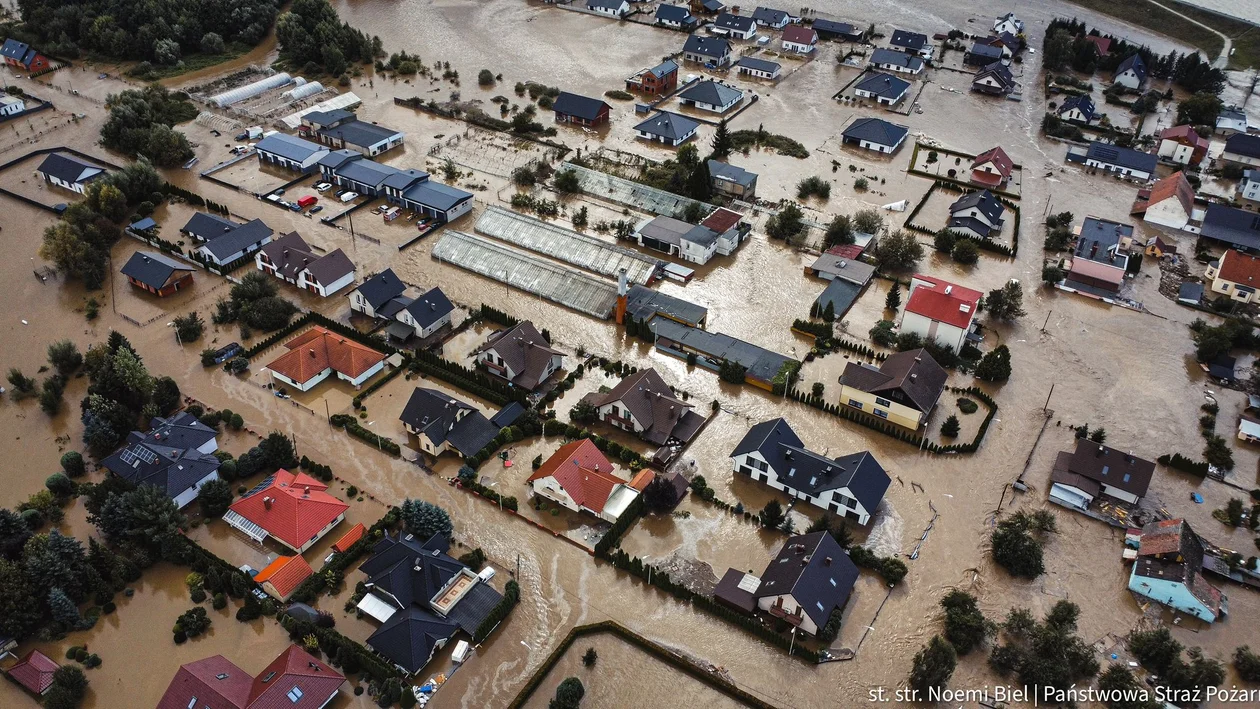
{"points": [[1131, 372]]}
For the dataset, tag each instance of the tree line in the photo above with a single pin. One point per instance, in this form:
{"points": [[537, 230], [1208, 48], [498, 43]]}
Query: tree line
{"points": [[1067, 44]]}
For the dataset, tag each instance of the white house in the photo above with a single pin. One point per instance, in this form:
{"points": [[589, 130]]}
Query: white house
{"points": [[899, 62], [669, 128], [799, 39], [1249, 187], [736, 26], [850, 486], [373, 296], [423, 316], [578, 477], [977, 213], [939, 310], [1078, 109], [520, 355], [809, 579], [1182, 145], [769, 17], [11, 105], [1131, 73], [68, 172], [1008, 23], [758, 68], [1094, 470], [612, 8], [690, 242], [711, 96], [291, 259], [235, 241], [1171, 202], [1242, 149], [886, 89], [875, 134], [319, 353]]}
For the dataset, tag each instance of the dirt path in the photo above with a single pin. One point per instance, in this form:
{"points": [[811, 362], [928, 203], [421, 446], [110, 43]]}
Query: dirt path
{"points": [[1222, 60]]}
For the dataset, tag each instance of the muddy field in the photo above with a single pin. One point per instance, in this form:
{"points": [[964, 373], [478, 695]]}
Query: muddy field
{"points": [[1131, 372]]}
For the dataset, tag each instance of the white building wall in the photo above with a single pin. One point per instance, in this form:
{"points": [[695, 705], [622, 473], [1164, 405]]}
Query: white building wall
{"points": [[1167, 213], [1231, 157], [790, 606], [944, 333], [1128, 79], [187, 496]]}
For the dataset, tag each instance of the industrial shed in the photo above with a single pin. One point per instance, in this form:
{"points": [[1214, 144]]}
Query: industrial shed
{"points": [[565, 245]]}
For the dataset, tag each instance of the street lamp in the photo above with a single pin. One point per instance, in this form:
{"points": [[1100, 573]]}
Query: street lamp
{"points": [[496, 482], [177, 337]]}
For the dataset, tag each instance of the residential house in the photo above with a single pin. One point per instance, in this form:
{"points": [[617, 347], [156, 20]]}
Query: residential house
{"points": [[735, 26], [34, 671], [875, 134], [176, 456], [769, 17], [1242, 149], [799, 39], [1077, 109], [283, 576], [1249, 188], [340, 129], [983, 53], [10, 106], [657, 81], [291, 259], [712, 7], [886, 89], [520, 355], [1131, 73], [1249, 421], [992, 168], [68, 171], [977, 213], [294, 509], [235, 241], [410, 189], [994, 79], [832, 266], [911, 43], [318, 353], [711, 96], [22, 57], [671, 129], [581, 110], [1100, 259], [690, 242], [1102, 45], [1092, 470], [375, 293], [157, 274], [1181, 145], [444, 424], [579, 478], [707, 50], [758, 68], [612, 8], [421, 316], [1231, 120], [1169, 570], [1008, 43], [1121, 162], [290, 153], [295, 679], [730, 227], [828, 29], [899, 62], [1235, 275], [808, 581], [1168, 203], [1008, 23], [204, 227], [678, 17], [733, 181], [940, 311], [903, 389], [1229, 226], [850, 486], [645, 405]]}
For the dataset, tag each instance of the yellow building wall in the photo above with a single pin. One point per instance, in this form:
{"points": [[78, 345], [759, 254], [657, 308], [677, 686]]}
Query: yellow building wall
{"points": [[901, 415]]}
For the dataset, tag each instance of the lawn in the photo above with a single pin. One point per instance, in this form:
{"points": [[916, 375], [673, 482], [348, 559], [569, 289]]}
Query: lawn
{"points": [[1246, 36]]}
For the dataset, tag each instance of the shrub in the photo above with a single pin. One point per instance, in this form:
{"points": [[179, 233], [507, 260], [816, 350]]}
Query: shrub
{"points": [[950, 427], [73, 465], [966, 252], [967, 406]]}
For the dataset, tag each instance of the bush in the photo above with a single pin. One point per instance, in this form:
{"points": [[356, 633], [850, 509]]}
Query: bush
{"points": [[966, 252], [950, 427], [967, 406], [59, 485], [73, 465], [813, 186], [485, 77]]}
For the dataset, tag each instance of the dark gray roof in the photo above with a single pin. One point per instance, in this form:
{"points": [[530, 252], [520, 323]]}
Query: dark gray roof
{"points": [[815, 570], [1112, 467], [472, 433], [713, 5], [653, 404], [165, 457], [182, 430], [435, 414], [606, 4], [674, 13], [437, 195], [336, 158], [1100, 239], [729, 592], [770, 16], [911, 378], [884, 85], [1236, 227], [972, 224], [143, 225], [663, 69], [876, 130], [291, 255], [909, 40], [758, 64], [997, 70], [430, 307], [366, 172], [1122, 157], [803, 470], [841, 294], [737, 23], [207, 226], [404, 572], [715, 47], [508, 415], [985, 50], [409, 637], [670, 126], [712, 93], [327, 118], [379, 289], [151, 268], [476, 605], [760, 363], [1083, 102], [583, 107], [643, 303], [838, 28], [892, 57], [524, 350], [990, 206], [359, 133], [69, 168], [732, 173], [1243, 144], [238, 239], [403, 179], [1134, 62], [289, 147]]}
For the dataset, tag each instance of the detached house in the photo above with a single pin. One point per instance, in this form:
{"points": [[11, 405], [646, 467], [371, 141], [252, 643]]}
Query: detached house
{"points": [[733, 181], [580, 110], [875, 134], [808, 580], [1122, 162], [34, 672], [707, 50], [291, 259], [1094, 470], [983, 53], [1169, 570], [644, 404], [1182, 145], [1249, 188], [799, 39], [1235, 275], [1229, 226], [382, 297], [850, 486], [579, 478], [1100, 259], [68, 172], [911, 43], [758, 68], [1168, 203], [318, 353], [899, 62], [939, 310], [1008, 23], [829, 29], [295, 679], [1078, 109], [671, 129], [657, 81], [1131, 73], [283, 576], [886, 89], [1242, 149], [690, 242], [157, 274], [977, 214], [1231, 120], [176, 455], [292, 508], [992, 168], [769, 17], [224, 242], [443, 423], [612, 8], [902, 390], [676, 16], [521, 356], [737, 26], [22, 57], [994, 79], [373, 296], [711, 96]]}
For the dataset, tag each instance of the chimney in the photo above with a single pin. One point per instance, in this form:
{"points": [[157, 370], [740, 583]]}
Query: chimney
{"points": [[1099, 453], [827, 561], [267, 502], [949, 289], [622, 290], [312, 351], [1093, 250]]}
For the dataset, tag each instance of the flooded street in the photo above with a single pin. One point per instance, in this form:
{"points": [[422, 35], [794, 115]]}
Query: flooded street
{"points": [[1133, 373]]}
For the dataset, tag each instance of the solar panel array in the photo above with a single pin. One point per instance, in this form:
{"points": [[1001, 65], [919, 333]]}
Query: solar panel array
{"points": [[134, 455]]}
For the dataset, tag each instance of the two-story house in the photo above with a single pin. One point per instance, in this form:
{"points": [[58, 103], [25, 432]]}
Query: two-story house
{"points": [[941, 311], [809, 579], [291, 259], [1093, 470], [579, 478], [1169, 570], [978, 213], [1182, 145], [1235, 275], [903, 389], [442, 423], [520, 355], [176, 455], [645, 405], [294, 509]]}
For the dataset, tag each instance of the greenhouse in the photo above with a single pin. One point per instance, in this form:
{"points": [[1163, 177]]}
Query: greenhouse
{"points": [[631, 193], [587, 252], [518, 269], [240, 93]]}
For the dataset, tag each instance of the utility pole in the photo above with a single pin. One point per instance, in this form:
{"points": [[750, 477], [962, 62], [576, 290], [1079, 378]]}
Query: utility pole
{"points": [[1047, 322], [327, 414], [1046, 406], [518, 565]]}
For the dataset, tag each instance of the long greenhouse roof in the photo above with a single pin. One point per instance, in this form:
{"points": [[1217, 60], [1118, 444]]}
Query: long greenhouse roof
{"points": [[631, 193], [587, 252], [566, 286]]}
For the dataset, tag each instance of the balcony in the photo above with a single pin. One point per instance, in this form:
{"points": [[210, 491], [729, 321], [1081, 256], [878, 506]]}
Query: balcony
{"points": [[792, 619]]}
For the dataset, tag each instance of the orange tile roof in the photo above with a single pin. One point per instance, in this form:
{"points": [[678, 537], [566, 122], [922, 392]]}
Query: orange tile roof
{"points": [[318, 349], [298, 510], [1184, 134], [583, 473], [348, 540], [1174, 186], [642, 480], [286, 573], [998, 157], [1237, 268]]}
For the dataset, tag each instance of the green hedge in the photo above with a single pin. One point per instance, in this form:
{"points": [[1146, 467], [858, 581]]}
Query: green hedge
{"points": [[511, 595], [470, 380], [351, 425], [333, 644], [1177, 461], [497, 316], [623, 524], [371, 389], [508, 501]]}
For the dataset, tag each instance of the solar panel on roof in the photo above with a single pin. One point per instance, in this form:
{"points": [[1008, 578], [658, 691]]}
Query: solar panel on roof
{"points": [[134, 456]]}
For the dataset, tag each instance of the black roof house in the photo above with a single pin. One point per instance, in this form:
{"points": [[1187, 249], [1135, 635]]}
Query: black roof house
{"points": [[1243, 144], [883, 85], [404, 572], [1235, 227], [715, 47], [238, 239], [430, 307], [381, 288], [875, 130], [911, 378], [525, 351], [669, 126], [583, 107], [913, 41], [770, 16], [1134, 62], [984, 202], [1114, 155], [675, 13], [808, 472], [884, 56], [167, 457], [815, 571], [828, 29], [734, 23], [152, 269], [204, 227], [438, 417], [410, 637], [70, 169]]}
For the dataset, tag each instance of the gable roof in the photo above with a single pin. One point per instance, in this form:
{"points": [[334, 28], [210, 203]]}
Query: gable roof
{"points": [[582, 472], [212, 683], [1122, 157], [404, 573], [722, 220], [670, 126], [1101, 44], [913, 372], [430, 307], [293, 508], [289, 147], [731, 173], [15, 50], [712, 93], [606, 4], [1111, 467], [349, 538], [381, 288], [1082, 102], [361, 133], [665, 68], [291, 255], [294, 673], [69, 168], [650, 400], [1243, 144], [239, 238], [167, 456], [152, 269], [983, 48], [991, 207], [1185, 134], [581, 106], [910, 40], [673, 13], [34, 671], [838, 28], [285, 573], [815, 571], [1240, 268], [758, 64], [524, 350], [736, 23], [769, 15], [884, 85], [996, 155], [1132, 62], [1231, 225], [410, 636], [327, 118], [884, 55], [207, 226], [716, 47], [799, 34], [1175, 186], [318, 349], [998, 71], [876, 130], [439, 417]]}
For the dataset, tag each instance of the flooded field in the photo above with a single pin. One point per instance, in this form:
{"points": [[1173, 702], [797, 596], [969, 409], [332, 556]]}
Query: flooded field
{"points": [[1130, 372]]}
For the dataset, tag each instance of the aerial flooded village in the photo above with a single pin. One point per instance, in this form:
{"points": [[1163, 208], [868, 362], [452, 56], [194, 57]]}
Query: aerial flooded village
{"points": [[613, 353]]}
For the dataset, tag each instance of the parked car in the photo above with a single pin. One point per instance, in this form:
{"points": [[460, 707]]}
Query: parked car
{"points": [[322, 186], [279, 191], [242, 136], [349, 196], [294, 206], [340, 192], [227, 352], [316, 209]]}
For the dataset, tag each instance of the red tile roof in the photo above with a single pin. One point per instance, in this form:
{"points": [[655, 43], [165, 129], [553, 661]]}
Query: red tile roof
{"points": [[286, 573], [295, 667], [849, 251], [34, 671], [721, 220], [799, 34], [213, 683], [348, 540], [1103, 44], [1184, 135], [298, 510], [1175, 186], [642, 480], [957, 307], [1162, 537], [1237, 268], [583, 473], [1001, 161], [318, 349]]}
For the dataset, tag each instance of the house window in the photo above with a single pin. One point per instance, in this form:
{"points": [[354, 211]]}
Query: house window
{"points": [[846, 501], [192, 703], [295, 694], [615, 411], [1126, 477], [880, 413], [745, 470], [855, 403], [882, 402], [1105, 469]]}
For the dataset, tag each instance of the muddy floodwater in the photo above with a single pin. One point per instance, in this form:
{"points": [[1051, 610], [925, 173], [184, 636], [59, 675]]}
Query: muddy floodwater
{"points": [[1075, 361]]}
